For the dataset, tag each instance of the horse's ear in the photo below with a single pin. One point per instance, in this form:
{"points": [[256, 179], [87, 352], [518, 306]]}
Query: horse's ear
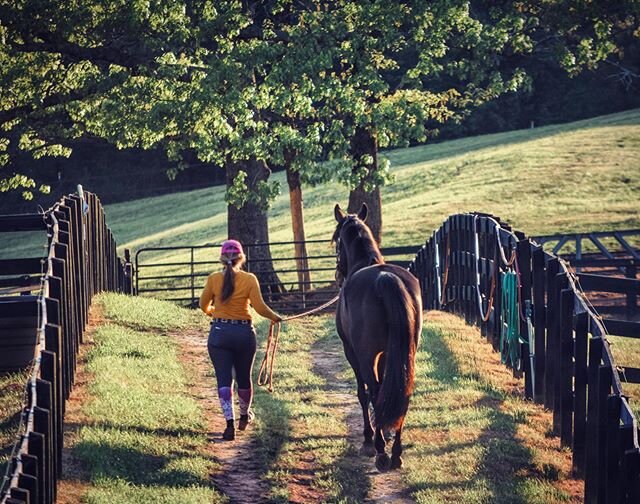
{"points": [[364, 211], [339, 213]]}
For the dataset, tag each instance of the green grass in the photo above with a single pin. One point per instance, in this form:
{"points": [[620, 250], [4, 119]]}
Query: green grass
{"points": [[299, 422], [144, 439], [470, 440], [580, 176], [12, 396]]}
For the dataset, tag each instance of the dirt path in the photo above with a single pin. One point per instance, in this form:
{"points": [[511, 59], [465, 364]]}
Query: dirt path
{"points": [[385, 487], [74, 480], [237, 475]]}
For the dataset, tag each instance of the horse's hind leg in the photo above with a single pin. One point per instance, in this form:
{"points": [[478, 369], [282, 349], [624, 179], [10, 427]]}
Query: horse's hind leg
{"points": [[383, 463], [396, 450], [368, 449]]}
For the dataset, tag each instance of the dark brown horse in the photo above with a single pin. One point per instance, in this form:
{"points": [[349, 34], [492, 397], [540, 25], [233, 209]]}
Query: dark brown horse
{"points": [[379, 319]]}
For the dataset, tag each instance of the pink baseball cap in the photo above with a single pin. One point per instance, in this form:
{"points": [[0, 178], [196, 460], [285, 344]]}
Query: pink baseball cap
{"points": [[231, 247]]}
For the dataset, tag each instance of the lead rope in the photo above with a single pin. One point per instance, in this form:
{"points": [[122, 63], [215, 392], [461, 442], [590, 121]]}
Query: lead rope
{"points": [[265, 374]]}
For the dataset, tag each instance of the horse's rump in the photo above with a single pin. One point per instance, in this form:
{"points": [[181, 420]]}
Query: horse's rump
{"points": [[383, 306]]}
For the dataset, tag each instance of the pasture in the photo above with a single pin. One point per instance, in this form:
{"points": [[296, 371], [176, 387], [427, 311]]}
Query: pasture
{"points": [[469, 435], [580, 176]]}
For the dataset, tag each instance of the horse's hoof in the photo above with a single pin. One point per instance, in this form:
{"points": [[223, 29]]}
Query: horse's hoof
{"points": [[396, 462], [383, 462], [367, 449]]}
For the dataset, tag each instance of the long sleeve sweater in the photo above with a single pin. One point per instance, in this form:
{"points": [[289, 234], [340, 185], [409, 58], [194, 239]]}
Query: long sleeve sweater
{"points": [[246, 290]]}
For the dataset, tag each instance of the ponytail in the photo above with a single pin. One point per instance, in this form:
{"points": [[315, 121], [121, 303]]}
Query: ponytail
{"points": [[232, 265]]}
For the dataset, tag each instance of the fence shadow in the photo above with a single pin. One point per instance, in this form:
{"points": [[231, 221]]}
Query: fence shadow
{"points": [[504, 459]]}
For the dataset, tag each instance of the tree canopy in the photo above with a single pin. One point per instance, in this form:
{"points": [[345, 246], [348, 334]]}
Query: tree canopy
{"points": [[280, 81]]}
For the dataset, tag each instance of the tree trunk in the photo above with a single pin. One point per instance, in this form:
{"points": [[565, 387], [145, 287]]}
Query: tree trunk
{"points": [[364, 142], [297, 224], [249, 225]]}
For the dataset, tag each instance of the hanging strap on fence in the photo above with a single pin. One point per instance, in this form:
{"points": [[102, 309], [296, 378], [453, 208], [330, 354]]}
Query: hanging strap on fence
{"points": [[531, 342], [442, 284], [510, 329], [483, 316], [507, 262]]}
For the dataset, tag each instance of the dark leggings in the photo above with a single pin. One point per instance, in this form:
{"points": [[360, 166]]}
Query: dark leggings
{"points": [[232, 346]]}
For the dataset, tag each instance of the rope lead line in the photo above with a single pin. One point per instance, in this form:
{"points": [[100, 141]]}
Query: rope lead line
{"points": [[265, 374]]}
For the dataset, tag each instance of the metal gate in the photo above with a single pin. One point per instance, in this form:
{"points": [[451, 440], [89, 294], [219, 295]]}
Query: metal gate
{"points": [[178, 274]]}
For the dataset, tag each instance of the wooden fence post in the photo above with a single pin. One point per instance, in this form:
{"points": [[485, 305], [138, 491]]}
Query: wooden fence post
{"points": [[539, 315], [612, 457], [631, 475], [551, 351], [566, 367], [497, 309], [580, 397], [592, 464], [560, 283], [604, 389], [523, 258]]}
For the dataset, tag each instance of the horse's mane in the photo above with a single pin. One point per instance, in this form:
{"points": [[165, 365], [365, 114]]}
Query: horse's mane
{"points": [[363, 240]]}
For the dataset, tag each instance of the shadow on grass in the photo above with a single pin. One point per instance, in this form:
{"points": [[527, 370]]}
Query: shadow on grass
{"points": [[104, 424], [137, 465], [272, 432], [504, 461], [330, 363]]}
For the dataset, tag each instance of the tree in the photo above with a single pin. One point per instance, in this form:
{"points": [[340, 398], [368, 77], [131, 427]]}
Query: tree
{"points": [[396, 71], [181, 76], [251, 85]]}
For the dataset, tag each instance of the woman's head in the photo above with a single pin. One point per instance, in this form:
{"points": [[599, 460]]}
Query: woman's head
{"points": [[232, 256]]}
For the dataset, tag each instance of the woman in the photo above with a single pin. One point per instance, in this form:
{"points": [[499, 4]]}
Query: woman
{"points": [[232, 339]]}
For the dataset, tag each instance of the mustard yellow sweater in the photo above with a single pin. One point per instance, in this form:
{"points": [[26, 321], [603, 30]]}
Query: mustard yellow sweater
{"points": [[246, 290]]}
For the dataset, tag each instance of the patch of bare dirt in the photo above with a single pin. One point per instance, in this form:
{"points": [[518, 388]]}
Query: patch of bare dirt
{"points": [[237, 474], [385, 487], [300, 485], [74, 482]]}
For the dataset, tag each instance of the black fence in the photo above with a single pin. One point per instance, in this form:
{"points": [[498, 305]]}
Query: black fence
{"points": [[605, 262], [44, 306], [531, 307], [178, 274]]}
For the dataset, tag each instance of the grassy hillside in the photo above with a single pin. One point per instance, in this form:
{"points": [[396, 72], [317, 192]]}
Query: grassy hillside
{"points": [[575, 177]]}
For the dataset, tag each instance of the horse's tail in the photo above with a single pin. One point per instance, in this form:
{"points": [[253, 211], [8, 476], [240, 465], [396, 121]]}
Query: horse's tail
{"points": [[392, 401]]}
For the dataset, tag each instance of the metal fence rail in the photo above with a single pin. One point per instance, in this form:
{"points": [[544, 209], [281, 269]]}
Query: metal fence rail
{"points": [[46, 301], [179, 273], [575, 244]]}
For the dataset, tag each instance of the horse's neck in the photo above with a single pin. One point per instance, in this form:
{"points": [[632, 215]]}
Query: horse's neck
{"points": [[360, 257]]}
